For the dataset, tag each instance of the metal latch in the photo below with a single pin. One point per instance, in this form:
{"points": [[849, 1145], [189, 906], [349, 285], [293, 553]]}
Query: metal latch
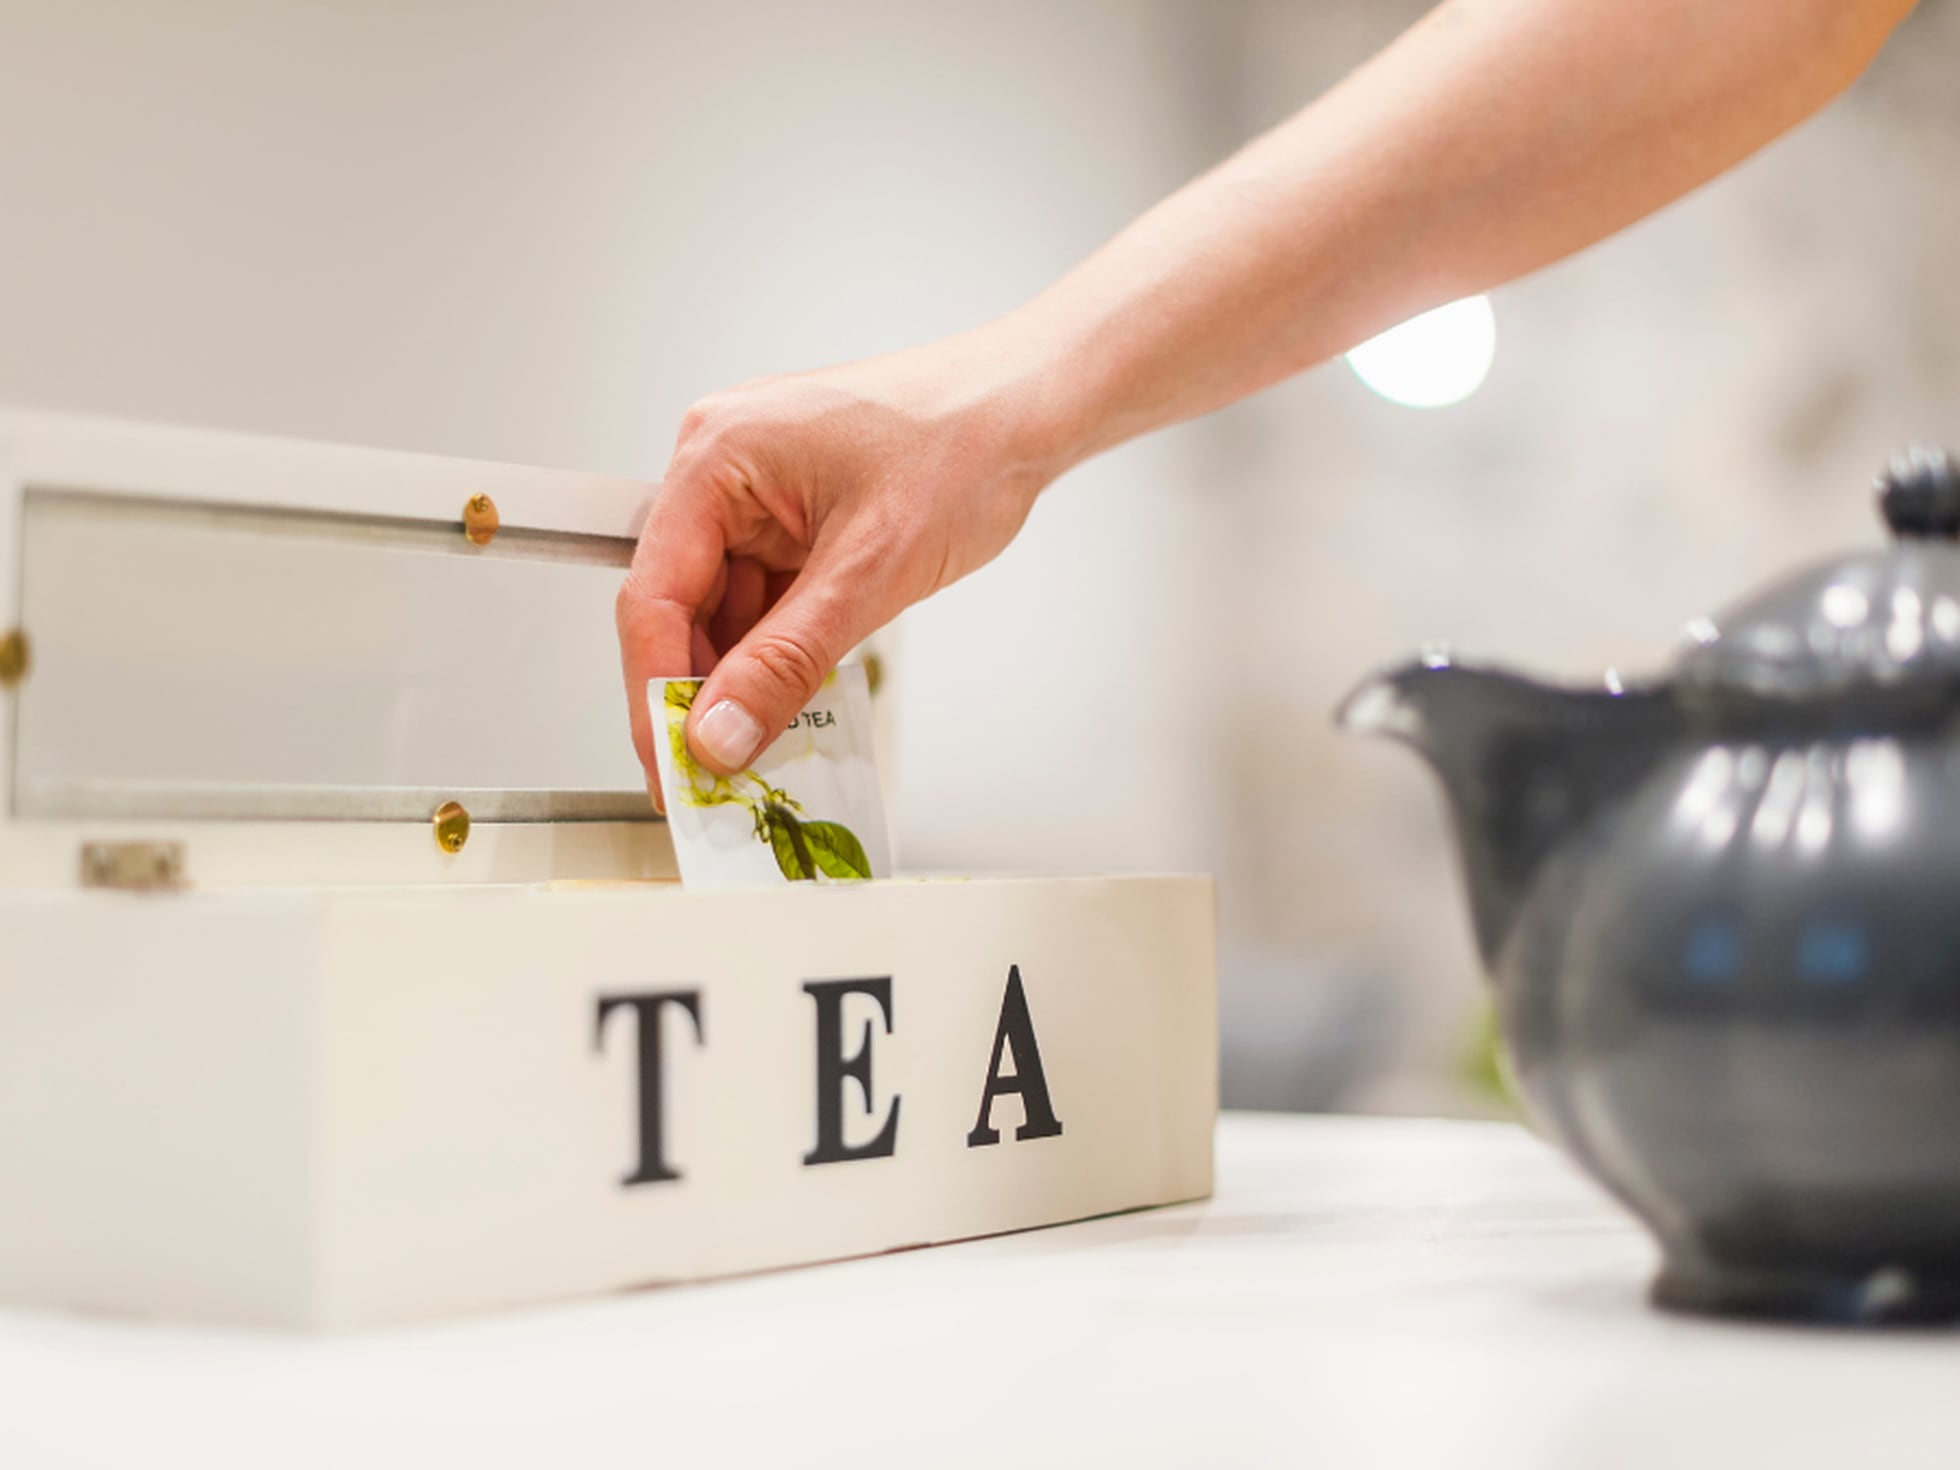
{"points": [[14, 657], [137, 866]]}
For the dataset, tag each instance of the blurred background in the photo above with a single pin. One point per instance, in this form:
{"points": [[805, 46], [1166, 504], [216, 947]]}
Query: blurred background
{"points": [[535, 232]]}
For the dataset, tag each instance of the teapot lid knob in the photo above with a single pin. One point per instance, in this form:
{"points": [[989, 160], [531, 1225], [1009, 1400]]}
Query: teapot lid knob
{"points": [[1919, 492]]}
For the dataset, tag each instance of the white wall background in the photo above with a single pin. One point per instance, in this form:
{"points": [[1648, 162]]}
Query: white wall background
{"points": [[536, 231]]}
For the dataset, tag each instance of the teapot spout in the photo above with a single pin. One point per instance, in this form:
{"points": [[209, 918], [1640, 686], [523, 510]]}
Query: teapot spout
{"points": [[1522, 764]]}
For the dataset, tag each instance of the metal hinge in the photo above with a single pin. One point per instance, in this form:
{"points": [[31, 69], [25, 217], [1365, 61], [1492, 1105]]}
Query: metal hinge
{"points": [[14, 657], [137, 866]]}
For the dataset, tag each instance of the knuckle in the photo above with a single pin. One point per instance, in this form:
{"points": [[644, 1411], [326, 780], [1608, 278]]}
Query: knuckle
{"points": [[640, 614], [699, 418], [710, 421], [626, 604], [787, 661], [714, 460]]}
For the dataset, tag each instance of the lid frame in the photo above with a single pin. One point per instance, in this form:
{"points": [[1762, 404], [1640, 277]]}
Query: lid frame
{"points": [[519, 837]]}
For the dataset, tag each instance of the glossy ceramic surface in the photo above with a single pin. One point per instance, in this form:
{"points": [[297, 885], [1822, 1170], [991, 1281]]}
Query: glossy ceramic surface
{"points": [[1722, 915]]}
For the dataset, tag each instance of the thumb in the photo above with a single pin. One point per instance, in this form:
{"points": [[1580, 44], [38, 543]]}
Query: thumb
{"points": [[763, 682]]}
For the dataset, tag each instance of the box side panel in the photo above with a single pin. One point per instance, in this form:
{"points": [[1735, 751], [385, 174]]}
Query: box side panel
{"points": [[482, 1138], [153, 1114]]}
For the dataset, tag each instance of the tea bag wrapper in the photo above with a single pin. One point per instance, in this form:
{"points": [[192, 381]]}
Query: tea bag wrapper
{"points": [[807, 810]]}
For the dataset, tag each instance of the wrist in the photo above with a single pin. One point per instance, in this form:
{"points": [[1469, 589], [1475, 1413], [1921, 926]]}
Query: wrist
{"points": [[1028, 393]]}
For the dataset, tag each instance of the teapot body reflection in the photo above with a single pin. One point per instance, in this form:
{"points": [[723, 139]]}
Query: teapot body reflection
{"points": [[1722, 916]]}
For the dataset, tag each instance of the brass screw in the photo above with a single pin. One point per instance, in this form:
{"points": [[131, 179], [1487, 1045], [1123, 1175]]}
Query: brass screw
{"points": [[452, 826], [874, 672], [13, 657], [480, 520]]}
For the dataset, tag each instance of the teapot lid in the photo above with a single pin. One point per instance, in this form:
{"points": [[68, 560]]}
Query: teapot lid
{"points": [[1879, 618]]}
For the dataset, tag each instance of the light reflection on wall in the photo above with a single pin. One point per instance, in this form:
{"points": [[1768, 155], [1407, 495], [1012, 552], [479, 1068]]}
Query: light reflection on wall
{"points": [[1433, 360]]}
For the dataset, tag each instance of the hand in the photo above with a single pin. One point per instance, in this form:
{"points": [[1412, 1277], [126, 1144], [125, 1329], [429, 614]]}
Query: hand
{"points": [[800, 514]]}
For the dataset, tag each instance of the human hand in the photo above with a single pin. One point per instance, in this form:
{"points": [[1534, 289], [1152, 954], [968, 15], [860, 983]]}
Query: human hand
{"points": [[800, 514]]}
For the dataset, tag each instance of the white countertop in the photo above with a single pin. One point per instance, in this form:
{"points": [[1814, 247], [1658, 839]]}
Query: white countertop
{"points": [[1359, 1292]]}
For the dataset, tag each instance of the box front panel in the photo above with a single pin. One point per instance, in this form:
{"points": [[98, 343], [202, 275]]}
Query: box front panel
{"points": [[823, 1062]]}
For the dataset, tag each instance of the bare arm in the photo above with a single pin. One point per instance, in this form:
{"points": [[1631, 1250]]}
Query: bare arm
{"points": [[800, 514], [1493, 138]]}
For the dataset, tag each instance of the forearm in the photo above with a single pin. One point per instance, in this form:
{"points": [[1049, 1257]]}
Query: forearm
{"points": [[800, 514], [1495, 137]]}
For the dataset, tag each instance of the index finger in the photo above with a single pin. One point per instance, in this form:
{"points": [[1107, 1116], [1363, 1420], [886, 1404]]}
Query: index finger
{"points": [[675, 577]]}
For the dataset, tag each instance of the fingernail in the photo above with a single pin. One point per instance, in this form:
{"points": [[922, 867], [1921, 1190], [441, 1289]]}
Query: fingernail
{"points": [[728, 734]]}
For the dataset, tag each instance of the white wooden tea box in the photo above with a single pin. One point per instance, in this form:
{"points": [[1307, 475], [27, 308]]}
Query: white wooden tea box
{"points": [[343, 978]]}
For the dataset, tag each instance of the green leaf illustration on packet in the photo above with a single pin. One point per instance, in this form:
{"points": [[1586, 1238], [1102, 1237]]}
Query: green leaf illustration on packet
{"points": [[807, 810]]}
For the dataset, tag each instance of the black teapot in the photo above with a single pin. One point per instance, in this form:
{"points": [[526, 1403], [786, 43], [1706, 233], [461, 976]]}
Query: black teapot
{"points": [[1721, 912]]}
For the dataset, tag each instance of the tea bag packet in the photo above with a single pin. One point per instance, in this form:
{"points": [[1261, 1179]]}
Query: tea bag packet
{"points": [[808, 810]]}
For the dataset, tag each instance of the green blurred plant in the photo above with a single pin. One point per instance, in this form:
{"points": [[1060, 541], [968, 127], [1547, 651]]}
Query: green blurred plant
{"points": [[1484, 1066]]}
